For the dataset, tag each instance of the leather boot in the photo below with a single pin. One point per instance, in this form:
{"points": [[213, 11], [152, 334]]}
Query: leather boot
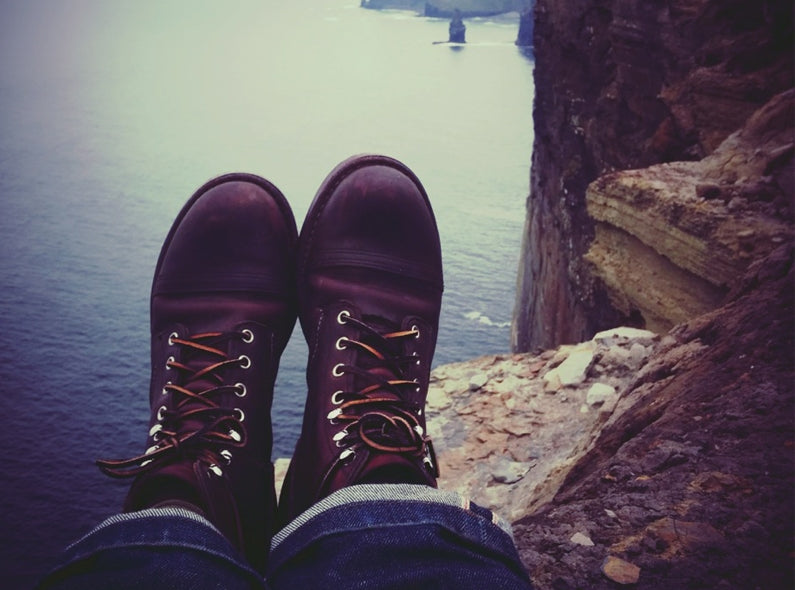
{"points": [[369, 288], [222, 309]]}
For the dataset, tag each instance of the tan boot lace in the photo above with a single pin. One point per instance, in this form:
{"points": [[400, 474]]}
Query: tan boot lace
{"points": [[196, 426]]}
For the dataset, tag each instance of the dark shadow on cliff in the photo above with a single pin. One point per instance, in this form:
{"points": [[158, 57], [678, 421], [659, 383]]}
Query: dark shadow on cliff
{"points": [[693, 483]]}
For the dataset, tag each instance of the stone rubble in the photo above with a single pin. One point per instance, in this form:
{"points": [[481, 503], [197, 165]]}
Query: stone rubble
{"points": [[506, 427]]}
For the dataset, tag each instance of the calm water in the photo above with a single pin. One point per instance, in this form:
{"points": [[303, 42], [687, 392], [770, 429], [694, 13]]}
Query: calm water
{"points": [[112, 113]]}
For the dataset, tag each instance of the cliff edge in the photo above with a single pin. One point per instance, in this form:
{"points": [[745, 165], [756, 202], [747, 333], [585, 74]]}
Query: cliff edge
{"points": [[622, 85], [662, 197]]}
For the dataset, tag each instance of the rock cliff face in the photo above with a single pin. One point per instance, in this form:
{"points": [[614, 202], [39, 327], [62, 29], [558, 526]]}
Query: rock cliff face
{"points": [[446, 8], [624, 85], [689, 481], [471, 8], [671, 239]]}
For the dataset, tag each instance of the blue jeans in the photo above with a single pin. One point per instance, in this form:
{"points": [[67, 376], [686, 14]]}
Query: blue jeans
{"points": [[364, 536]]}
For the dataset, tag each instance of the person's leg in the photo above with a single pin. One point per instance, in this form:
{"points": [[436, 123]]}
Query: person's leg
{"points": [[222, 309], [167, 547], [359, 505], [395, 536]]}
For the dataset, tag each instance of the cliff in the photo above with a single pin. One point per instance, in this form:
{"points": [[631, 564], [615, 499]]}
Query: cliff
{"points": [[622, 85], [662, 196], [446, 8], [687, 482]]}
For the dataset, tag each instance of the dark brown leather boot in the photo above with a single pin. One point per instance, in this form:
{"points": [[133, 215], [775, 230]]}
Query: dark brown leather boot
{"points": [[222, 309], [369, 290]]}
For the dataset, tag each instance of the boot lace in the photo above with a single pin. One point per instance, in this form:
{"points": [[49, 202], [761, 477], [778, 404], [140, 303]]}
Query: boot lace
{"points": [[196, 426], [376, 414]]}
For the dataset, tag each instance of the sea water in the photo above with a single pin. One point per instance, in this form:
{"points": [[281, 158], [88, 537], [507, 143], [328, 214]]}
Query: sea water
{"points": [[113, 113]]}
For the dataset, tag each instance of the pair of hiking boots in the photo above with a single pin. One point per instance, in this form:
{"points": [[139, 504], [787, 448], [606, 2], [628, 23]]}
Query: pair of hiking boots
{"points": [[365, 280]]}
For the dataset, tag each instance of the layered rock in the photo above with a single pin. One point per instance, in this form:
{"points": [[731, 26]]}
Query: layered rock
{"points": [[624, 85], [670, 240]]}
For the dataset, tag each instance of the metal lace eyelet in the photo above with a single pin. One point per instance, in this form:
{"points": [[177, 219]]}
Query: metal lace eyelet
{"points": [[240, 415], [336, 398], [160, 411], [332, 415], [214, 469], [240, 389], [418, 429], [417, 360], [153, 432], [419, 387], [337, 438], [227, 455], [172, 337], [245, 362], [340, 345], [235, 435], [170, 360], [347, 453], [416, 331], [151, 449], [248, 335], [164, 391], [337, 370], [343, 316]]}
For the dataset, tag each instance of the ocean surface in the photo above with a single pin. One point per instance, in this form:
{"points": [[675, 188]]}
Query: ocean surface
{"points": [[113, 113]]}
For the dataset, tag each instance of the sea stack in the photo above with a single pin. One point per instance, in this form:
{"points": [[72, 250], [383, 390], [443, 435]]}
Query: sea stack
{"points": [[457, 28]]}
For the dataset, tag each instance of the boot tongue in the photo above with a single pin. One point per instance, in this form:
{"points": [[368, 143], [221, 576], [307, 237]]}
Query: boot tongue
{"points": [[382, 369], [185, 405]]}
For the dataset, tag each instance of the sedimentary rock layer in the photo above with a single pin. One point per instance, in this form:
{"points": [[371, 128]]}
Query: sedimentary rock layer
{"points": [[624, 85]]}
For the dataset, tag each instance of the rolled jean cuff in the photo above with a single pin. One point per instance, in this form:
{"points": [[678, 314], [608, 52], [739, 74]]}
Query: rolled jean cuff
{"points": [[386, 493], [169, 545], [414, 519]]}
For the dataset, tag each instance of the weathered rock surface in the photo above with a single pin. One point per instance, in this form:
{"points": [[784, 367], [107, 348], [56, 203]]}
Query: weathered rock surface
{"points": [[624, 85], [672, 239], [689, 481], [504, 438]]}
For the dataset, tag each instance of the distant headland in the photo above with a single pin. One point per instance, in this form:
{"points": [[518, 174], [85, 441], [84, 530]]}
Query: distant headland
{"points": [[446, 8]]}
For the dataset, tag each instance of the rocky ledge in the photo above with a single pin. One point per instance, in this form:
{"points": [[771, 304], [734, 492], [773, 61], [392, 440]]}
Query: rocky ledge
{"points": [[672, 239], [657, 461], [506, 428], [635, 459]]}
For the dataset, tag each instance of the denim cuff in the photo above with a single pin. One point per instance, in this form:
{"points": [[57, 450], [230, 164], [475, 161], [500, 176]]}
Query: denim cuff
{"points": [[383, 515], [134, 549], [388, 493]]}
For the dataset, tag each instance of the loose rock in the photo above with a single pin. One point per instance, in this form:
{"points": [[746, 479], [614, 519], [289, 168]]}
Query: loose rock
{"points": [[620, 571]]}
